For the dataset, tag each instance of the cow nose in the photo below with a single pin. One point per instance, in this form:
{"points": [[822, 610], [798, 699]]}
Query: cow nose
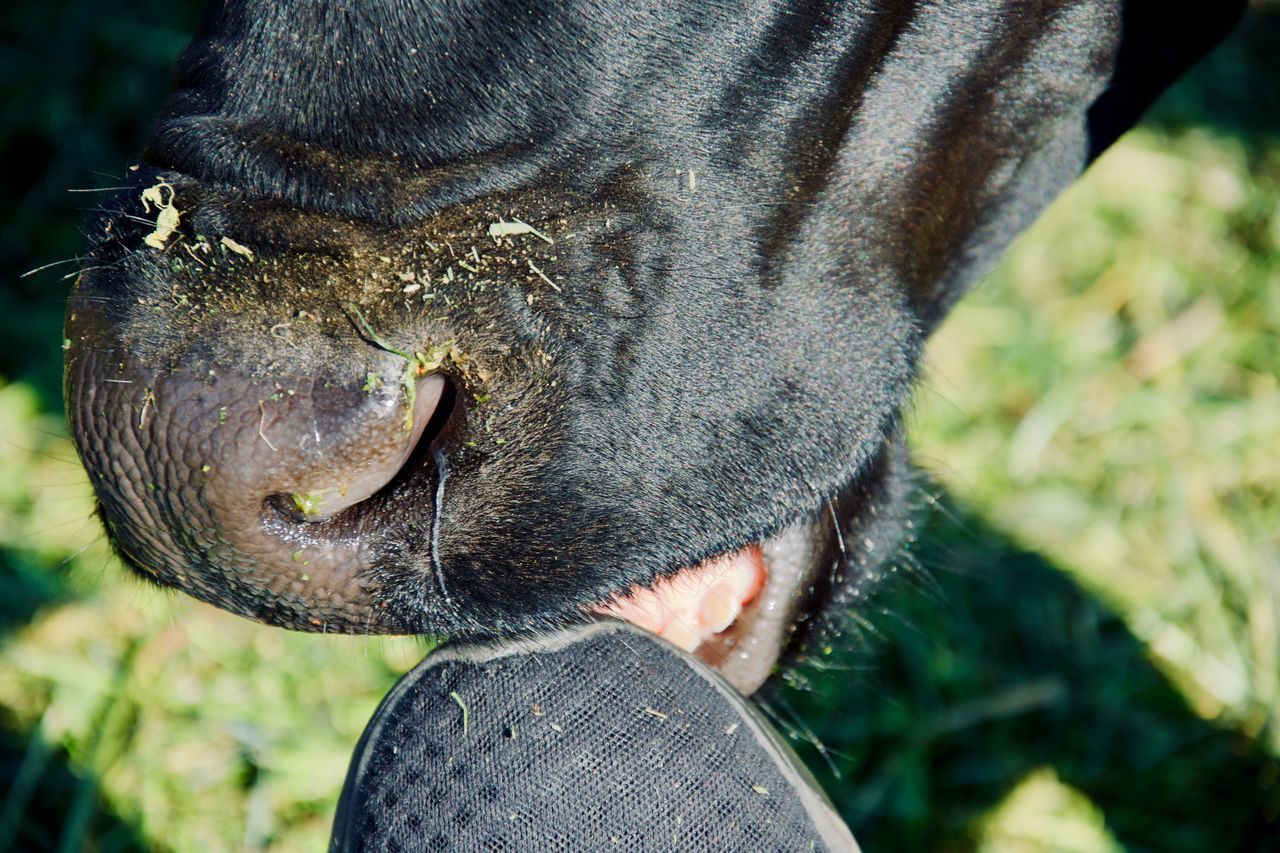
{"points": [[329, 477], [195, 462]]}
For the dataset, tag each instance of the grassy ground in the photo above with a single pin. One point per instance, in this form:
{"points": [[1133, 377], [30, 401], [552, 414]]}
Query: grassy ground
{"points": [[1111, 399], [1083, 656]]}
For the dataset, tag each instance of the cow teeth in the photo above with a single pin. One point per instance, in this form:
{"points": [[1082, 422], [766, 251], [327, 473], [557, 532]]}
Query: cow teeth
{"points": [[695, 605], [721, 605], [678, 633]]}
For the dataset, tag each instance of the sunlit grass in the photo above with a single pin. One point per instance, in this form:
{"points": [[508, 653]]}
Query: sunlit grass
{"points": [[1111, 397], [1043, 814]]}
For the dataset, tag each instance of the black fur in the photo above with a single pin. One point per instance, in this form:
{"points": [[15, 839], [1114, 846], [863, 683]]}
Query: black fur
{"points": [[760, 211]]}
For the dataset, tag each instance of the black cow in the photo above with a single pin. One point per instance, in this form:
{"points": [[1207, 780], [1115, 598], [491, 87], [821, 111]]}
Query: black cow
{"points": [[473, 318]]}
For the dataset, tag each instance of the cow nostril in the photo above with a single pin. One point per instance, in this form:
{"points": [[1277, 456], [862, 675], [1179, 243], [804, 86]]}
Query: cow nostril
{"points": [[334, 488]]}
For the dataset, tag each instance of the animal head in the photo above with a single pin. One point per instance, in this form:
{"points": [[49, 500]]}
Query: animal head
{"points": [[477, 318]]}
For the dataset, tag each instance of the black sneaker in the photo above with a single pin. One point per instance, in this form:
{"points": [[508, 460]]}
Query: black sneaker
{"points": [[599, 737]]}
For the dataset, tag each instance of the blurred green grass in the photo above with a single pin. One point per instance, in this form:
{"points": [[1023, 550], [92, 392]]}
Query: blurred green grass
{"points": [[1110, 398], [1106, 400]]}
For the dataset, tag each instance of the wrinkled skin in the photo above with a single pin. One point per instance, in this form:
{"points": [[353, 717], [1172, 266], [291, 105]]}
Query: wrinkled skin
{"points": [[363, 411]]}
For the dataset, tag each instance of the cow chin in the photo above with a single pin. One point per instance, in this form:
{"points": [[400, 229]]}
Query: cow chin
{"points": [[781, 599]]}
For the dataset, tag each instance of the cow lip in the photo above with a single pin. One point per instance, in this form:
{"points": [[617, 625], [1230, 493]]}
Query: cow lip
{"points": [[747, 649]]}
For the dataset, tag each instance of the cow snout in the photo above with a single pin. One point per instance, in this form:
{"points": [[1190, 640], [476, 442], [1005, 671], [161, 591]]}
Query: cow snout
{"points": [[256, 493], [237, 457]]}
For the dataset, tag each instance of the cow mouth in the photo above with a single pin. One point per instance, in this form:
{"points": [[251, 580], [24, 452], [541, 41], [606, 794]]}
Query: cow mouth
{"points": [[735, 612]]}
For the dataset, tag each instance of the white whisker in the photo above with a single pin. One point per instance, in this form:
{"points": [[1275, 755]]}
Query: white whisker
{"points": [[442, 468]]}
